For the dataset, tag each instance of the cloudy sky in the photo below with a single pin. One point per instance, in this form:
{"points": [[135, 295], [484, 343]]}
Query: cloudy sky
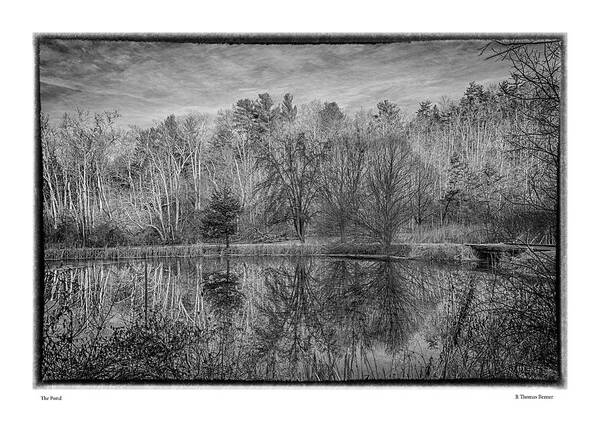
{"points": [[146, 81]]}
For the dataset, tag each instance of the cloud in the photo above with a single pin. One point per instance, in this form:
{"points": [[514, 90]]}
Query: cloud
{"points": [[147, 81]]}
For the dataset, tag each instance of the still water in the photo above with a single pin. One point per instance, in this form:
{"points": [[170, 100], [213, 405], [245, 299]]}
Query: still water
{"points": [[295, 319]]}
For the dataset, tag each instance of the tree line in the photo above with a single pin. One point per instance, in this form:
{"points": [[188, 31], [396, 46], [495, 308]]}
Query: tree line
{"points": [[487, 162]]}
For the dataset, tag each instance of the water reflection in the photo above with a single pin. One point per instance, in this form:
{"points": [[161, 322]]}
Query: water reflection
{"points": [[296, 320]]}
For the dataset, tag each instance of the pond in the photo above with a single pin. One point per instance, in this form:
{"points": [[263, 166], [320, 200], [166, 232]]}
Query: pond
{"points": [[296, 319]]}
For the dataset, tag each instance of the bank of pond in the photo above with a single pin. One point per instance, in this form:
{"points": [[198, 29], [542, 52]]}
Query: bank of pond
{"points": [[441, 252]]}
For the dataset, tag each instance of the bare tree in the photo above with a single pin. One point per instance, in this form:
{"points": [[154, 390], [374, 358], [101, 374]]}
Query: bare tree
{"points": [[235, 153], [422, 185], [386, 204], [291, 168], [161, 181], [54, 180], [196, 132], [535, 88], [291, 158], [76, 157], [342, 179]]}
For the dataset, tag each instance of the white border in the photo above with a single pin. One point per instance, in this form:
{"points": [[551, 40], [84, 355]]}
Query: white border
{"points": [[298, 403]]}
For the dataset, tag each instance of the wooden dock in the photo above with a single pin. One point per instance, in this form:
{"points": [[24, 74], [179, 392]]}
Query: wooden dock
{"points": [[495, 250]]}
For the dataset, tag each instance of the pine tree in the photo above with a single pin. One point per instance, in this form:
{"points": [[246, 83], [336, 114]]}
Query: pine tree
{"points": [[219, 216], [455, 193], [288, 109], [330, 115]]}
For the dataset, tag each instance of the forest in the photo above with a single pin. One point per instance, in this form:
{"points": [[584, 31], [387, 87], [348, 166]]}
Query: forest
{"points": [[480, 168]]}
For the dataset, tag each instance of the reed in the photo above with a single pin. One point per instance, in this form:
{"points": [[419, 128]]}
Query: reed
{"points": [[446, 252], [180, 251], [442, 252], [451, 233]]}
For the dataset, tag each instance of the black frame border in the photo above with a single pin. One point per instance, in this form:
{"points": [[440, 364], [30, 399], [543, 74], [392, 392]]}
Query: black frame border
{"points": [[296, 38]]}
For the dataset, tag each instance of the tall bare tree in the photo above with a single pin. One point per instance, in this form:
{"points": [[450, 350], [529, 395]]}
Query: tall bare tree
{"points": [[165, 155], [386, 204], [196, 132], [535, 88], [76, 157], [342, 178], [291, 159]]}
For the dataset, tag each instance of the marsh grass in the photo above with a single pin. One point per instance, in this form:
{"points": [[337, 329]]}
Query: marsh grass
{"points": [[429, 252], [446, 252], [180, 251], [451, 233]]}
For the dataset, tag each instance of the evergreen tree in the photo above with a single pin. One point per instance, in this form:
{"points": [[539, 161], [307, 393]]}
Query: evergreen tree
{"points": [[330, 115], [456, 189], [220, 215], [425, 110], [288, 109], [387, 110]]}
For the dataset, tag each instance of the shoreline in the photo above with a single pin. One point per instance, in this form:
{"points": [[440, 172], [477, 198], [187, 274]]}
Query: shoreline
{"points": [[440, 252]]}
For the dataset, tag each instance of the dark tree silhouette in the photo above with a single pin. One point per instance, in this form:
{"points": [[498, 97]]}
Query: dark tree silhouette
{"points": [[219, 219], [341, 181]]}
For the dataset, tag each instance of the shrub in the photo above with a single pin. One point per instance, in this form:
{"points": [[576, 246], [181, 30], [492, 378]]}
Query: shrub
{"points": [[65, 233], [106, 234]]}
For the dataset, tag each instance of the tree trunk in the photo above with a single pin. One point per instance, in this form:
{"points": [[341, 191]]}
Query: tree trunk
{"points": [[301, 229], [342, 232]]}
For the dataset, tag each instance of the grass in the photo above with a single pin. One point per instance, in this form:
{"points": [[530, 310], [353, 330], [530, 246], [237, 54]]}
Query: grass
{"points": [[179, 251], [430, 252], [451, 233], [444, 252]]}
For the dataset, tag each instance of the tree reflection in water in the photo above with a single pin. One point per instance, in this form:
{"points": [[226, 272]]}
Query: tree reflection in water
{"points": [[298, 320], [343, 320]]}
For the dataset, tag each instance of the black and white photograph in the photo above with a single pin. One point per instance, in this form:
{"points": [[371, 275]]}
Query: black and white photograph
{"points": [[299, 211], [359, 209]]}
